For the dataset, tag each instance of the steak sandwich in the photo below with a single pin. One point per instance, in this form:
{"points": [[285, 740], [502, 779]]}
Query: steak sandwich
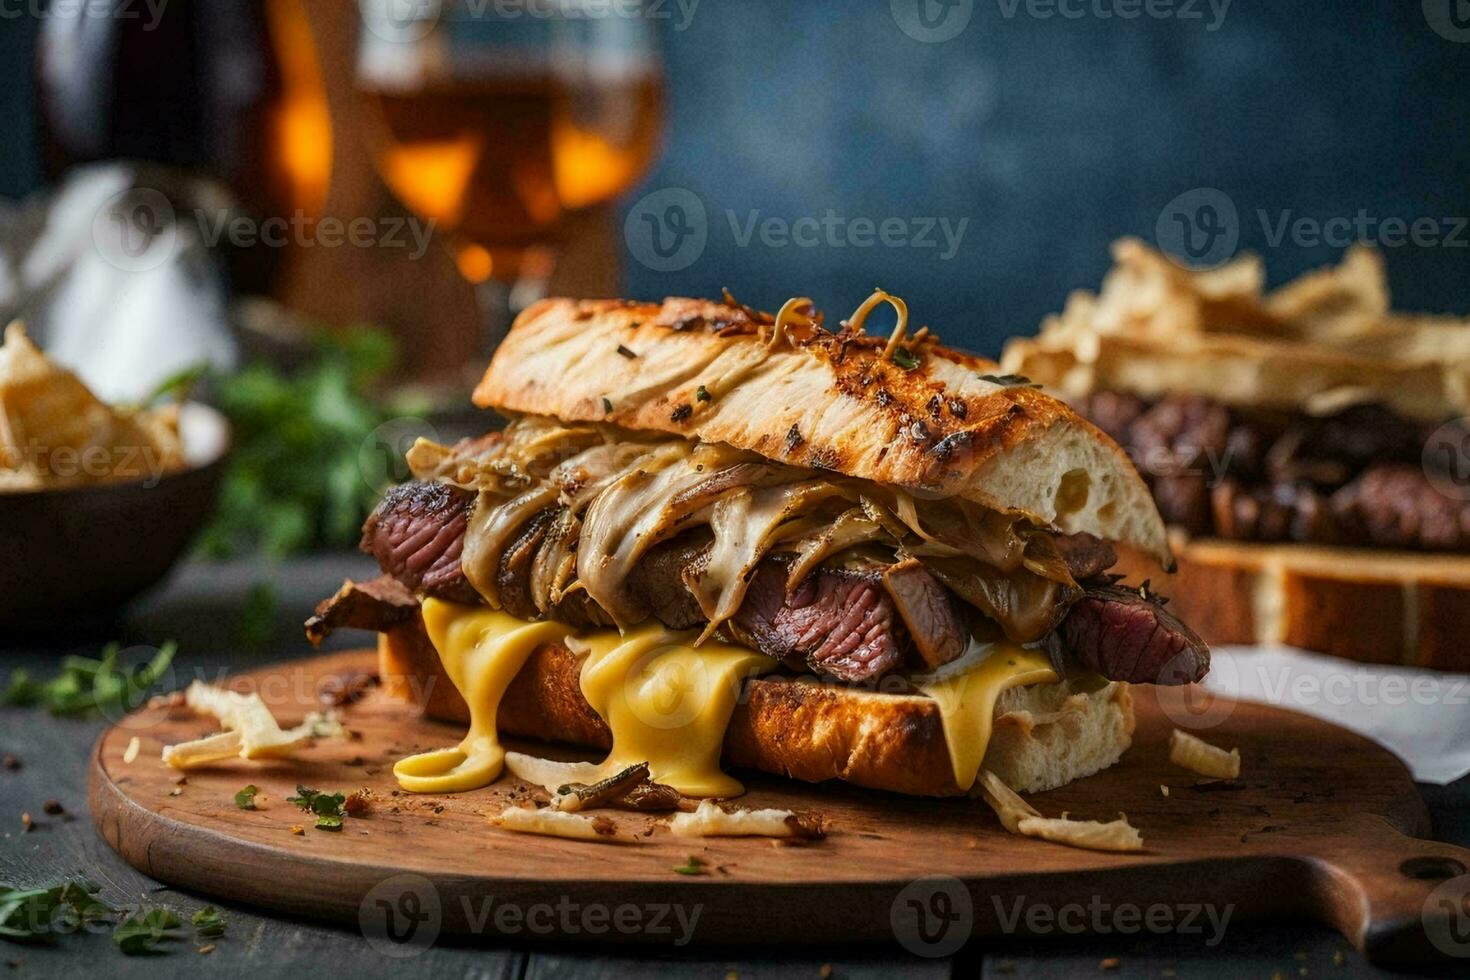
{"points": [[1306, 445], [710, 538]]}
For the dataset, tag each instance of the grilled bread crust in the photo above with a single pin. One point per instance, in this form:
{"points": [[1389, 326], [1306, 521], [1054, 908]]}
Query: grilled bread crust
{"points": [[826, 400], [1045, 735]]}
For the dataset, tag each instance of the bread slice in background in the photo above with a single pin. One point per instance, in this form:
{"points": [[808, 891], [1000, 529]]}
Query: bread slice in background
{"points": [[1045, 735], [1368, 605]]}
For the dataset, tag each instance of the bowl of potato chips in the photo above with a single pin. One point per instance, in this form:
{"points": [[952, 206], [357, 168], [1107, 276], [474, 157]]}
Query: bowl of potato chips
{"points": [[97, 502]]}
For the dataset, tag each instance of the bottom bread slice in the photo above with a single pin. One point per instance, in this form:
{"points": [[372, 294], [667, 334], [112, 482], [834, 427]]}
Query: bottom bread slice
{"points": [[1369, 605], [1045, 735]]}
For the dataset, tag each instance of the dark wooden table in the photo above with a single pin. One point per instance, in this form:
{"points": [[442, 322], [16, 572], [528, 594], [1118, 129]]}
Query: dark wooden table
{"points": [[204, 608]]}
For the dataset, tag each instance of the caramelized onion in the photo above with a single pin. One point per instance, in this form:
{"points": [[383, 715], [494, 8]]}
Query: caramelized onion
{"points": [[851, 527]]}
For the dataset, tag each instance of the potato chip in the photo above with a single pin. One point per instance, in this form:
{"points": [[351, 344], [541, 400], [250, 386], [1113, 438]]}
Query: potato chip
{"points": [[55, 432], [557, 823], [712, 820], [1199, 756], [251, 731], [1020, 817]]}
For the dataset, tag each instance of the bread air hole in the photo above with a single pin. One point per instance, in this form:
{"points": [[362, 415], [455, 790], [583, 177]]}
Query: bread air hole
{"points": [[1072, 492]]}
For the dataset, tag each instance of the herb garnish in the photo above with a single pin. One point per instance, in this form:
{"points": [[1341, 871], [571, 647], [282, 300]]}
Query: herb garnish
{"points": [[142, 931], [625, 352], [245, 799], [681, 412], [694, 866], [701, 394], [39, 915], [1010, 380], [85, 686], [327, 807], [209, 923], [905, 358], [299, 475], [793, 437], [606, 407]]}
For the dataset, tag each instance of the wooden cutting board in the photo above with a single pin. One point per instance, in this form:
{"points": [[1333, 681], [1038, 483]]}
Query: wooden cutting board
{"points": [[1323, 827]]}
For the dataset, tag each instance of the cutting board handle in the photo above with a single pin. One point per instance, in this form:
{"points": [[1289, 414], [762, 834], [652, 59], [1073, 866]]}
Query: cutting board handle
{"points": [[1400, 900]]}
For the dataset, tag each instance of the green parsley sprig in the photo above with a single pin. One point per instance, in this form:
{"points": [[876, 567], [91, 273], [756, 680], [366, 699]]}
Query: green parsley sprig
{"points": [[86, 686]]}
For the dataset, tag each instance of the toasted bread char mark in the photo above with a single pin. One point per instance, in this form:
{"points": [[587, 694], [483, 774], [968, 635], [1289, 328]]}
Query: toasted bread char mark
{"points": [[824, 400]]}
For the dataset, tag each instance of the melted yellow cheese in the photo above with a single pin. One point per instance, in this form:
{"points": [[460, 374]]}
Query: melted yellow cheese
{"points": [[482, 650], [966, 694], [667, 703]]}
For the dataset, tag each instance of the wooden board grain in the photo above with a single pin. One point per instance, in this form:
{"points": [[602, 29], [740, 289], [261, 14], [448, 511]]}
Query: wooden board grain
{"points": [[1322, 828]]}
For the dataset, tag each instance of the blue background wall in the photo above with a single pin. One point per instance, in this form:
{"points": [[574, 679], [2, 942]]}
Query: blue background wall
{"points": [[1051, 135], [1055, 136]]}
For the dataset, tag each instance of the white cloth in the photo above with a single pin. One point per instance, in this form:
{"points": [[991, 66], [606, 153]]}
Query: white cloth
{"points": [[1422, 716], [123, 322]]}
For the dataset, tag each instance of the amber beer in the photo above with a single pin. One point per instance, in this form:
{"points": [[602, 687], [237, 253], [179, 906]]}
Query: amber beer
{"points": [[497, 160]]}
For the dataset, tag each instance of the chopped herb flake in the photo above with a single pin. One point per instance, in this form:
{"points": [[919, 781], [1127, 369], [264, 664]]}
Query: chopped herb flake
{"points": [[701, 394], [607, 407], [245, 799], [142, 931], [680, 413], [905, 358], [694, 866], [39, 915], [625, 352], [1009, 380], [209, 923], [326, 807]]}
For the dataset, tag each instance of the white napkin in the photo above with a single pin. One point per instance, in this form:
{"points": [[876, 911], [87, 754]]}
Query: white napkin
{"points": [[1422, 716], [122, 321]]}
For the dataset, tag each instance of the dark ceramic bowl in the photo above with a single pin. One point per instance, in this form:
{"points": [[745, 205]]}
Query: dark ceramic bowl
{"points": [[76, 554]]}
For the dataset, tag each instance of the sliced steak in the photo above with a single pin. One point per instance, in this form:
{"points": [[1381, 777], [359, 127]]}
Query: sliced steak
{"points": [[416, 534], [927, 611], [1127, 635], [378, 604], [1086, 555], [513, 579], [837, 622], [658, 580], [1394, 505], [843, 623]]}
